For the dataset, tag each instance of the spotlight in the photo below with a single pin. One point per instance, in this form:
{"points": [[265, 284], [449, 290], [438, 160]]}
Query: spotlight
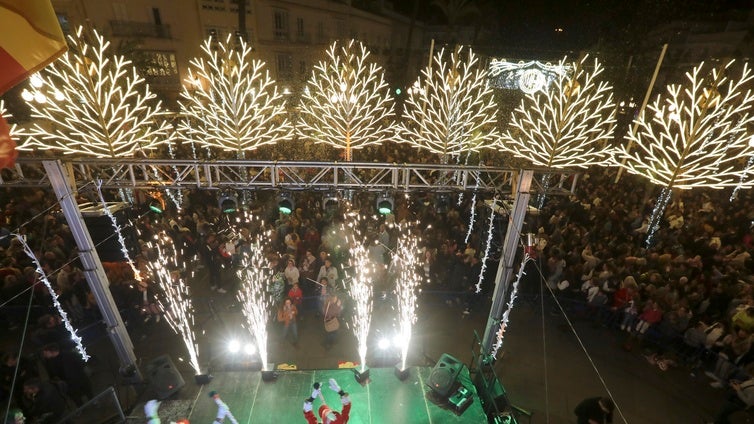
{"points": [[286, 203], [250, 349], [234, 346], [156, 204], [228, 202], [383, 344], [385, 204], [330, 202]]}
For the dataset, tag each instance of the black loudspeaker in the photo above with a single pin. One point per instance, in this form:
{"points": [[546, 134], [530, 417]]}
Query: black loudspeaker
{"points": [[163, 378], [444, 376]]}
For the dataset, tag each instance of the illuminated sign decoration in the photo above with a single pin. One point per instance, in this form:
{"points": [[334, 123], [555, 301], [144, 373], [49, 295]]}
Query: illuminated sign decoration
{"points": [[528, 77]]}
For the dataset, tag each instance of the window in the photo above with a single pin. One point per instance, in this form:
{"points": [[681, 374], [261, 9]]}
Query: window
{"points": [[320, 31], [120, 12], [216, 33], [300, 27], [284, 65], [280, 19], [161, 64], [213, 5]]}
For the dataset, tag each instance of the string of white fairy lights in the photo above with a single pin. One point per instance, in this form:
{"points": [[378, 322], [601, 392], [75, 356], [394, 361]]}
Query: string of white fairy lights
{"points": [[118, 233], [506, 315], [55, 302], [487, 247], [473, 210]]}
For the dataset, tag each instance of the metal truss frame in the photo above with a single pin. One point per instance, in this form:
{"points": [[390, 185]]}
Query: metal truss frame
{"points": [[156, 174]]}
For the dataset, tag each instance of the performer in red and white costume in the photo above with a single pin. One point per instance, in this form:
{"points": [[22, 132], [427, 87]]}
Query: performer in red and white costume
{"points": [[325, 413]]}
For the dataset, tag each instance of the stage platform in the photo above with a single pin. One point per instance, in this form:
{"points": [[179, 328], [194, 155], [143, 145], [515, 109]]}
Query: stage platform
{"points": [[384, 399]]}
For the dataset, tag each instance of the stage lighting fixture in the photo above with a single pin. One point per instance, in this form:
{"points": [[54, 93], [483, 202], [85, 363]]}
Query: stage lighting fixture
{"points": [[228, 202], [286, 205], [156, 203], [268, 372], [401, 373], [385, 204], [330, 201], [250, 349], [361, 374], [383, 344], [234, 346], [203, 379]]}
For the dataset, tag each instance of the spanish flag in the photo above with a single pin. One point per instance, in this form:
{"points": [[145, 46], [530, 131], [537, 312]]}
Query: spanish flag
{"points": [[30, 39]]}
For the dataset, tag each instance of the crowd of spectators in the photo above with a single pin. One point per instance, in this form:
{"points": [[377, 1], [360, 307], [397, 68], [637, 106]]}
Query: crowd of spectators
{"points": [[688, 296]]}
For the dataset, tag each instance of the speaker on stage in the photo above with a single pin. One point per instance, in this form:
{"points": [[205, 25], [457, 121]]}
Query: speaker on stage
{"points": [[163, 377], [444, 376]]}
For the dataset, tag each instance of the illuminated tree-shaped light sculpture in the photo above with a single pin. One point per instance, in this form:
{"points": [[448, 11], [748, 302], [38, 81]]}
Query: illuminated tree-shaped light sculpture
{"points": [[93, 103], [567, 125], [693, 135], [450, 110], [346, 103], [231, 102]]}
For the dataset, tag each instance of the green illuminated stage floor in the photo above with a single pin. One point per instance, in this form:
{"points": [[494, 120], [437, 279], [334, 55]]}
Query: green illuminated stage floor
{"points": [[385, 399]]}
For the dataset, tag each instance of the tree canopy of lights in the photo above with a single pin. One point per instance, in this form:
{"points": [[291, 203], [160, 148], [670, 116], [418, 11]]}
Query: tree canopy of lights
{"points": [[568, 125], [695, 134], [450, 109], [346, 103], [231, 102], [93, 103]]}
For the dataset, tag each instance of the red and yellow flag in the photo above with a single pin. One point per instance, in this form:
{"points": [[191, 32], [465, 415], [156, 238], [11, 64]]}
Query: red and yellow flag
{"points": [[30, 39]]}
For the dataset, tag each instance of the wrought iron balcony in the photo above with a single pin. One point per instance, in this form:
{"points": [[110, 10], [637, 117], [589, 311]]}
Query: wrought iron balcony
{"points": [[139, 29]]}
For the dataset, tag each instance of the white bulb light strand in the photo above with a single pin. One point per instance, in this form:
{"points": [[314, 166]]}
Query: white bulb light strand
{"points": [[569, 125], [178, 196], [361, 287], [487, 248], [406, 288], [176, 302], [506, 315], [95, 104], [77, 340], [472, 218], [695, 134], [230, 102], [347, 103], [255, 303], [734, 195], [118, 233], [450, 110], [657, 213]]}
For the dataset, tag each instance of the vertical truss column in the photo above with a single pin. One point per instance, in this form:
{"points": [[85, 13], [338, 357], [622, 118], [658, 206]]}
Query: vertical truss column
{"points": [[93, 271], [505, 268]]}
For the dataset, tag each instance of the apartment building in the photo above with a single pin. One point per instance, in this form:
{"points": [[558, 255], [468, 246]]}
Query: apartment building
{"points": [[289, 35]]}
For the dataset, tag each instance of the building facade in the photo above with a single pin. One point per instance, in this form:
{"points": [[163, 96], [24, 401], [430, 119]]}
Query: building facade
{"points": [[162, 36]]}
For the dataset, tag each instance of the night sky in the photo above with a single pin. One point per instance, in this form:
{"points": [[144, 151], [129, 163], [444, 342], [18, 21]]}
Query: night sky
{"points": [[532, 25]]}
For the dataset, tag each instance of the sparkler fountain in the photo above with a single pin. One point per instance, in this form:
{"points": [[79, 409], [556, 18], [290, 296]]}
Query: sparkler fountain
{"points": [[361, 290], [176, 303], [255, 303], [405, 291]]}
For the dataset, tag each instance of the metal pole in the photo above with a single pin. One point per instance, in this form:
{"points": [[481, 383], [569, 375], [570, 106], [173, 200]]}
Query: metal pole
{"points": [[60, 180], [505, 268], [643, 106]]}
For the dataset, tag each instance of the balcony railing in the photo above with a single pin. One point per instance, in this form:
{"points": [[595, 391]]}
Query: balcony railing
{"points": [[139, 29]]}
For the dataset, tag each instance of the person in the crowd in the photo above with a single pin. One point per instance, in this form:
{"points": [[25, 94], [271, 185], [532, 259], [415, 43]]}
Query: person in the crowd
{"points": [[595, 410]]}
